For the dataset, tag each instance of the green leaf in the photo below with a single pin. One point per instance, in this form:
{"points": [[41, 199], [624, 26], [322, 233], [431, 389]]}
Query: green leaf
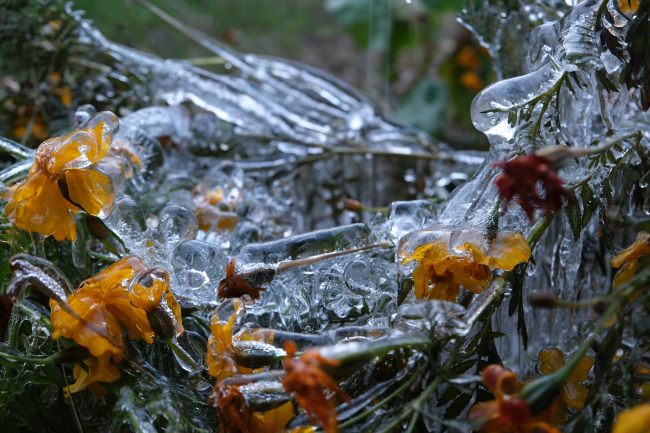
{"points": [[604, 79], [425, 106], [573, 215], [458, 406], [450, 394]]}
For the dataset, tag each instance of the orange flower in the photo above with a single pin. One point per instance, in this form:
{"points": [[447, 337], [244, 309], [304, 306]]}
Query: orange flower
{"points": [[230, 404], [114, 296], [472, 81], [448, 266], [65, 165], [220, 356], [628, 261], [573, 393], [306, 379], [507, 414], [635, 420]]}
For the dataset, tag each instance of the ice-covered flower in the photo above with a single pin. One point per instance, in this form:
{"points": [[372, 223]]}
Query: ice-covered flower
{"points": [[449, 259], [573, 393], [234, 286], [120, 294], [308, 381], [63, 178], [221, 355], [519, 181], [507, 413]]}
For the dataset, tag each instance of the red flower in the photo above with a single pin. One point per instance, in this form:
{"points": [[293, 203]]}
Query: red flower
{"points": [[519, 179]]}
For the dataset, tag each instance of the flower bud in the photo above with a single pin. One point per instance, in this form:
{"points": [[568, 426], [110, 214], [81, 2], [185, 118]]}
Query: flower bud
{"points": [[353, 205], [162, 322], [97, 228], [542, 300]]}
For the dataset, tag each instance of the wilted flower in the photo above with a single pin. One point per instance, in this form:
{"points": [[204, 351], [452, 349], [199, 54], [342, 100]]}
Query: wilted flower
{"points": [[230, 404], [628, 261], [62, 179], [507, 413], [449, 265], [307, 380], [236, 417], [519, 179], [234, 286], [115, 295], [573, 393]]}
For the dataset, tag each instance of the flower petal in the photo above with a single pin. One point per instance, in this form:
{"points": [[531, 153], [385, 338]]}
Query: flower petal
{"points": [[272, 421], [574, 395], [640, 247], [39, 206], [635, 420], [91, 189]]}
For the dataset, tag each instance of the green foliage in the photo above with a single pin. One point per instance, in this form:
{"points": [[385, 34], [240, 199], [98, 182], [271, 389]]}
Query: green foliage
{"points": [[425, 106]]}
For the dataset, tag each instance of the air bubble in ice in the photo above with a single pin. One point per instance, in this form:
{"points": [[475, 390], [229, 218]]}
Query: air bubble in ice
{"points": [[176, 224], [197, 263], [360, 278], [126, 219]]}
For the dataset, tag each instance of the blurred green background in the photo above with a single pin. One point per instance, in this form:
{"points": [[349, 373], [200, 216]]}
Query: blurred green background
{"points": [[411, 57]]}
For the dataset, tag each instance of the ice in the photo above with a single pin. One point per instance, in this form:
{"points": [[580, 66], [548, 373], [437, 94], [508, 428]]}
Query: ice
{"points": [[172, 122], [360, 278], [306, 245], [197, 267], [242, 164], [127, 220], [176, 224]]}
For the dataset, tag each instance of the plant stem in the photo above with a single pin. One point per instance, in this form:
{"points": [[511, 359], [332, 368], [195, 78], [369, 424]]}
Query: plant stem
{"points": [[419, 401], [577, 152], [405, 385], [16, 150]]}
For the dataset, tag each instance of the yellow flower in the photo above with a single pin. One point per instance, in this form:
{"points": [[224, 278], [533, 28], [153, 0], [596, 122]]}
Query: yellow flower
{"points": [[220, 356], [573, 393], [272, 421], [448, 263], [113, 297], [38, 204], [628, 261], [99, 370], [628, 7], [635, 420]]}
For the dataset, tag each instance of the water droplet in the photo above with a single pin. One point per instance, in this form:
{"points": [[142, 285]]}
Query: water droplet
{"points": [[646, 206], [645, 180]]}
